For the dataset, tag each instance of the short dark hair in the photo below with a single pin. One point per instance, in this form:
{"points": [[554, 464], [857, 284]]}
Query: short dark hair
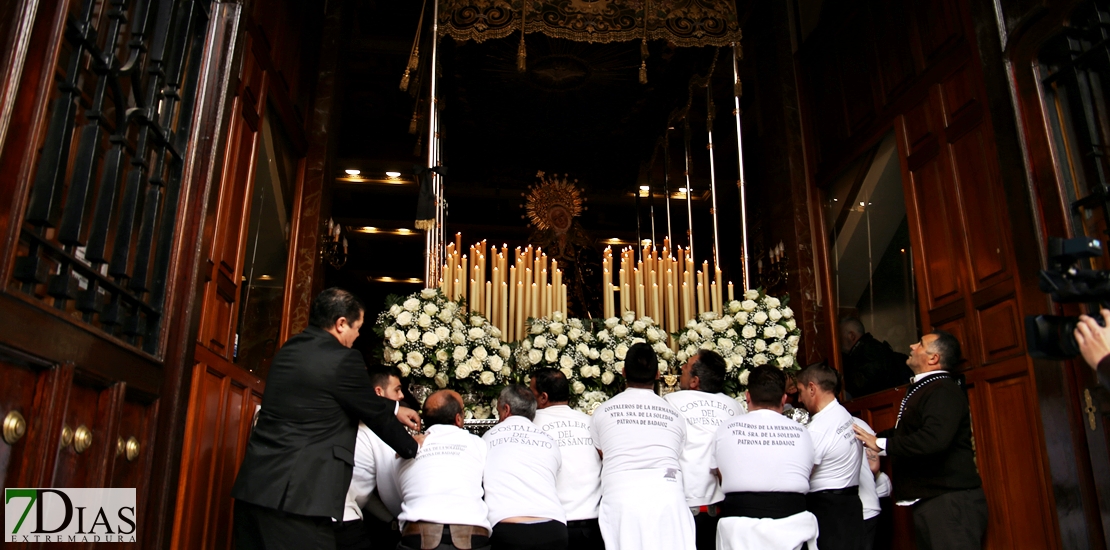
{"points": [[821, 374], [332, 304], [766, 386], [852, 323], [444, 414], [641, 365], [379, 374], [521, 400], [554, 383], [948, 348], [710, 369]]}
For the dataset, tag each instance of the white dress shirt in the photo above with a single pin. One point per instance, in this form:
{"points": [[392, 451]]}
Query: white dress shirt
{"points": [[868, 495], [638, 430], [443, 484], [521, 466], [837, 452], [579, 479], [363, 476], [704, 413], [763, 451]]}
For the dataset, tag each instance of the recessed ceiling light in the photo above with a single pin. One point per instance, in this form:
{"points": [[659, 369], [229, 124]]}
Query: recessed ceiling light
{"points": [[352, 172], [645, 188], [265, 278], [681, 189], [394, 175]]}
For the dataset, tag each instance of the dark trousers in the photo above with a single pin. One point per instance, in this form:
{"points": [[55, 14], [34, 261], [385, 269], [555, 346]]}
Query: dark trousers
{"points": [[259, 528], [584, 534], [870, 527], [384, 534], [952, 521], [549, 535], [351, 535], [839, 518], [705, 531]]}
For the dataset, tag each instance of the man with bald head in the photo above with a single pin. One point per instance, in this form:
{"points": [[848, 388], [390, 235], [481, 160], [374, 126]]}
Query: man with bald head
{"points": [[441, 489]]}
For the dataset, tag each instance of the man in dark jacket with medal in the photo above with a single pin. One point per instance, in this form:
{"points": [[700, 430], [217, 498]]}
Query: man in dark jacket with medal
{"points": [[931, 450], [294, 477]]}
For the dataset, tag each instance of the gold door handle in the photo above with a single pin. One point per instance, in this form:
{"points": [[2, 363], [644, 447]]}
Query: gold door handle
{"points": [[1090, 408], [132, 449], [14, 427], [82, 439], [67, 435]]}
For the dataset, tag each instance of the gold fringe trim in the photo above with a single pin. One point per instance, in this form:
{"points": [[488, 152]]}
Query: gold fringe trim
{"points": [[426, 225], [405, 81], [521, 56]]}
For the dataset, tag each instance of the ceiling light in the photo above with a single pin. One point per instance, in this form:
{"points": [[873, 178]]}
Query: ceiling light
{"points": [[645, 188], [368, 229], [861, 203], [393, 175], [646, 242], [265, 278], [404, 231], [681, 189], [352, 172]]}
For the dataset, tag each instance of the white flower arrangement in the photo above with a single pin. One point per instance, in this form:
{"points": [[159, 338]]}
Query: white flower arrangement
{"points": [[559, 343], [416, 333], [757, 330], [616, 334], [589, 401], [481, 358]]}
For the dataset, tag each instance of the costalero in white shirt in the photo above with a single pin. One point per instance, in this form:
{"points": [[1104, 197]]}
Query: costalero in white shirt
{"points": [[443, 484], [521, 466], [375, 468], [869, 485], [837, 452], [638, 430], [763, 451], [579, 479], [704, 413]]}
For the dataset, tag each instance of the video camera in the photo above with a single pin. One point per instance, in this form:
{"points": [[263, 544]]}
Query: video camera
{"points": [[1051, 336]]}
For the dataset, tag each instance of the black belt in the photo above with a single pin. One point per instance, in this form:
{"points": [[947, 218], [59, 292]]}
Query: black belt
{"points": [[853, 490], [582, 523], [760, 505]]}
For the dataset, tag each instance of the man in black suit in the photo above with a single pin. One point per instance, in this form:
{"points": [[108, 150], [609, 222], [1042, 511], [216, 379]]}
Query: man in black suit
{"points": [[932, 453], [870, 365], [298, 463]]}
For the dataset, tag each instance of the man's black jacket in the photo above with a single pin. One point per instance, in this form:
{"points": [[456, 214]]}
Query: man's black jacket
{"points": [[300, 455], [931, 449]]}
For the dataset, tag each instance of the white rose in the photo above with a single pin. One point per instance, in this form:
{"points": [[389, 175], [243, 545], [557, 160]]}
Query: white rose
{"points": [[793, 340], [450, 306], [709, 345], [404, 319], [582, 348], [653, 335], [428, 293], [724, 344], [791, 324], [747, 305], [578, 387], [771, 302], [691, 350], [693, 335], [743, 379], [566, 362], [709, 315], [443, 333], [705, 331], [731, 333], [607, 356], [476, 321], [668, 354], [561, 341], [430, 309], [780, 331], [415, 358], [618, 366], [535, 356], [603, 336], [480, 353], [405, 370], [395, 310], [397, 339], [759, 318], [659, 348], [462, 371], [629, 316], [494, 331], [487, 378], [441, 380], [505, 370], [424, 321], [786, 361], [412, 304], [760, 345], [389, 332], [586, 371], [505, 352], [551, 355], [792, 350], [457, 324], [413, 335], [639, 326], [474, 364], [768, 332], [776, 348], [740, 351], [537, 328], [575, 334], [459, 353], [742, 318], [787, 312], [621, 351], [568, 373], [458, 337], [620, 331], [663, 366], [441, 355], [540, 341], [555, 328], [729, 364], [774, 314], [476, 333], [611, 322], [495, 363], [430, 339], [748, 332], [594, 354], [444, 316], [429, 370], [759, 359], [606, 378], [751, 294], [734, 306], [720, 325]]}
